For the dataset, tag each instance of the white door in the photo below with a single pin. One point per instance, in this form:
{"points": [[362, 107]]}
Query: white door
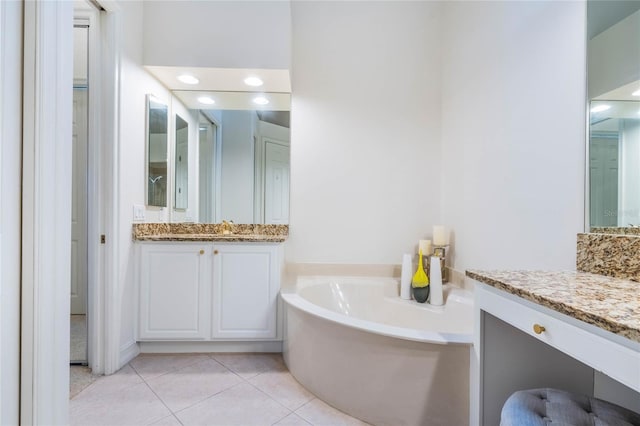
{"points": [[245, 289], [175, 295], [79, 275], [603, 177], [276, 184]]}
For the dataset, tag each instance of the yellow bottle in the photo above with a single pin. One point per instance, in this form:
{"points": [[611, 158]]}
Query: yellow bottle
{"points": [[420, 282]]}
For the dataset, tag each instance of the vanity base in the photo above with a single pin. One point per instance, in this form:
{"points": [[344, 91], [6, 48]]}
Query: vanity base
{"points": [[200, 347]]}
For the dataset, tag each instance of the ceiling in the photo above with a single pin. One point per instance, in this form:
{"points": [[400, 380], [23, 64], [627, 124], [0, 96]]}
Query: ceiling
{"points": [[624, 93], [603, 14], [226, 87]]}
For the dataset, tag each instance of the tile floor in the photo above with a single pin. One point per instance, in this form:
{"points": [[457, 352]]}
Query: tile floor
{"points": [[202, 389]]}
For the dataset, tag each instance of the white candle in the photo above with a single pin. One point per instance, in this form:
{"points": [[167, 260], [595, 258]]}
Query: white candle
{"points": [[439, 236], [425, 246]]}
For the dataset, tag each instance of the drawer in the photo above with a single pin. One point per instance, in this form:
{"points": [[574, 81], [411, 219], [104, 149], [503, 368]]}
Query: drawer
{"points": [[610, 357]]}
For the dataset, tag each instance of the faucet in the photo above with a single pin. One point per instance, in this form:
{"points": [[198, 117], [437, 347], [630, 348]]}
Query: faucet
{"points": [[227, 227]]}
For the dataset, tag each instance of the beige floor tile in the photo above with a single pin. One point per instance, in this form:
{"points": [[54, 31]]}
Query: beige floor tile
{"points": [[318, 413], [250, 365], [241, 405], [182, 388], [292, 420], [282, 387], [135, 405], [167, 421], [125, 378], [153, 365]]}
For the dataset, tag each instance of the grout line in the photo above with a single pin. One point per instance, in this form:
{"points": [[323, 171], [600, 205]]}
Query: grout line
{"points": [[209, 397], [157, 396], [273, 399], [161, 355]]}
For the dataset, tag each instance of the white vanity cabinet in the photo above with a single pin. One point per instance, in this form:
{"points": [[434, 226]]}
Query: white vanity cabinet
{"points": [[175, 291], [245, 288], [210, 291]]}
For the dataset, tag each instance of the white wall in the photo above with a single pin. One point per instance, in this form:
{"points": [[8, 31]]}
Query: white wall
{"points": [[236, 183], [513, 132], [136, 83], [613, 46], [365, 130], [219, 34], [10, 202]]}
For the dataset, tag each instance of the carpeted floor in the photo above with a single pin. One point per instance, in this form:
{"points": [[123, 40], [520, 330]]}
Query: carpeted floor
{"points": [[79, 378], [78, 338]]}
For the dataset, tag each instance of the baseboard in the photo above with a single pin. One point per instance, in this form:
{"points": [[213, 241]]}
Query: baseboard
{"points": [[128, 352], [196, 347]]}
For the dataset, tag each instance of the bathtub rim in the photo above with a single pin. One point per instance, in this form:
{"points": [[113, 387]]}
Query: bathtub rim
{"points": [[294, 300]]}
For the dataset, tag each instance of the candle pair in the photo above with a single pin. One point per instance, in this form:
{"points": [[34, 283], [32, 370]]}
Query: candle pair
{"points": [[439, 239]]}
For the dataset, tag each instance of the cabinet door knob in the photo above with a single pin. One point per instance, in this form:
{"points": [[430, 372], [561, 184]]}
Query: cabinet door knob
{"points": [[215, 252], [201, 251], [538, 329]]}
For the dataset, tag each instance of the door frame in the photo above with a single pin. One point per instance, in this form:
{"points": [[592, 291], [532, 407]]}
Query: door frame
{"points": [[103, 204], [46, 207], [11, 31], [46, 211]]}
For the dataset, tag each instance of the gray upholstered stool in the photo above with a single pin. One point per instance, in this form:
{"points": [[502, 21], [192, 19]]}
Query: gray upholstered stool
{"points": [[540, 407]]}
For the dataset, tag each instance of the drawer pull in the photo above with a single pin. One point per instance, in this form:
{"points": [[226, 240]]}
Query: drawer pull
{"points": [[201, 251], [215, 252], [538, 329]]}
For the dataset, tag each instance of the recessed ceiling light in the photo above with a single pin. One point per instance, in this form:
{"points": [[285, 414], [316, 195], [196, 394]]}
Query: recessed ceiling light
{"points": [[260, 100], [188, 79], [253, 81], [600, 108], [206, 100], [636, 93]]}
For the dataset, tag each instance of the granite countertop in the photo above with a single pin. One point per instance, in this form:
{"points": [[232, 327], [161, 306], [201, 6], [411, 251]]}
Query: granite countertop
{"points": [[209, 232], [213, 237], [612, 304]]}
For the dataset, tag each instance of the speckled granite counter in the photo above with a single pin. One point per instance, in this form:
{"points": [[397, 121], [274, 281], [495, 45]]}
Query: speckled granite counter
{"points": [[612, 304], [209, 232], [616, 230], [609, 254]]}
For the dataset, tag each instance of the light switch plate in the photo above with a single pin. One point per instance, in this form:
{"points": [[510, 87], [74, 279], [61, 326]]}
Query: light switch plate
{"points": [[138, 213]]}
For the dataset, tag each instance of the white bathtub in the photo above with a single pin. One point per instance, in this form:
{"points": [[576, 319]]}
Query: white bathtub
{"points": [[356, 345]]}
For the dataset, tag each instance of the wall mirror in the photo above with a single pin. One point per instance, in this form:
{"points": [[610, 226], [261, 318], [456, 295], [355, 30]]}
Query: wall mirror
{"points": [[244, 166], [613, 30], [181, 189], [157, 154]]}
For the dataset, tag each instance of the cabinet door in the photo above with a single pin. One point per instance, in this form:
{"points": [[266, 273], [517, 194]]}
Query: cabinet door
{"points": [[175, 292], [245, 285]]}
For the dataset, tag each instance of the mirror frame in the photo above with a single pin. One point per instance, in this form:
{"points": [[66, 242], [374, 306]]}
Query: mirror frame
{"points": [[175, 144], [151, 98], [587, 159]]}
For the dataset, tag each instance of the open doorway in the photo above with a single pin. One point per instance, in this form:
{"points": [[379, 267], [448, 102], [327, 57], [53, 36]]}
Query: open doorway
{"points": [[209, 155], [79, 207]]}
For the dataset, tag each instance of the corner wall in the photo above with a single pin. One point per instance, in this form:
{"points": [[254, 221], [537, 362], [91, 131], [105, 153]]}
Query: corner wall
{"points": [[365, 126], [513, 132], [135, 84]]}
